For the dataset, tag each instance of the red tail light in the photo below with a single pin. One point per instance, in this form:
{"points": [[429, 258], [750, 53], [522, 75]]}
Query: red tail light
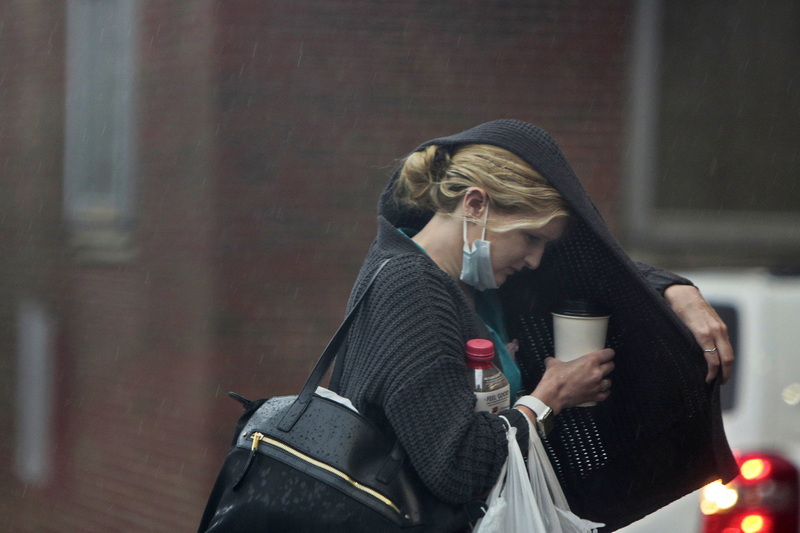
{"points": [[764, 498]]}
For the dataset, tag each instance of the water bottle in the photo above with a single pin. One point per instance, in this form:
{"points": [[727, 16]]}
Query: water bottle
{"points": [[488, 382]]}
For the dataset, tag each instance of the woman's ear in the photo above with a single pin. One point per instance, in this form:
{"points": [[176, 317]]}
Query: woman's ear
{"points": [[474, 202]]}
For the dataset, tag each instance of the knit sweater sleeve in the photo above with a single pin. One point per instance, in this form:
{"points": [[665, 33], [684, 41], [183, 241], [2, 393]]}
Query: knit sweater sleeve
{"points": [[660, 279], [405, 365], [458, 453]]}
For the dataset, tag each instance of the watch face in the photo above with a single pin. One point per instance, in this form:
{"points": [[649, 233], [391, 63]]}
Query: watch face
{"points": [[544, 423]]}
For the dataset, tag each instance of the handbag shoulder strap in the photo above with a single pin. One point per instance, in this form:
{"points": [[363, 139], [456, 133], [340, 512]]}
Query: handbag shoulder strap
{"points": [[324, 362]]}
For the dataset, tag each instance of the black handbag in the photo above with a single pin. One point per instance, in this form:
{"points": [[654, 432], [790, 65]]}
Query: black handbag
{"points": [[309, 463]]}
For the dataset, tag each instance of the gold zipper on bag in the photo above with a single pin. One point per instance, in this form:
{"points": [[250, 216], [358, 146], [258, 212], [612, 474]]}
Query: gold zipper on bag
{"points": [[260, 437]]}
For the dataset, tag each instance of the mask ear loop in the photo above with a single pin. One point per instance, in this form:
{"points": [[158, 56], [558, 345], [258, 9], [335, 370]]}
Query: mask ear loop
{"points": [[464, 234], [483, 231]]}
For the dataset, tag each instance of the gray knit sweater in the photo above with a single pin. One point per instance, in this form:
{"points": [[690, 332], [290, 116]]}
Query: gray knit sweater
{"points": [[404, 369]]}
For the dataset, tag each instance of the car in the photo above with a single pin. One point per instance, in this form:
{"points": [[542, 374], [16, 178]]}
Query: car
{"points": [[761, 410]]}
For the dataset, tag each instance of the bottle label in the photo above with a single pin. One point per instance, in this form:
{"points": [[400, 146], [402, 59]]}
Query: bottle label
{"points": [[493, 401]]}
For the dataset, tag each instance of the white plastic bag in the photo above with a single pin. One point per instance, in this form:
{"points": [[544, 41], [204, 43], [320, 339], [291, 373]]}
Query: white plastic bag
{"points": [[550, 498], [529, 500], [511, 503]]}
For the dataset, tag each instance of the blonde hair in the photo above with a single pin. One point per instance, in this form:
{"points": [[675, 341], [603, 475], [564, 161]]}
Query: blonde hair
{"points": [[435, 179]]}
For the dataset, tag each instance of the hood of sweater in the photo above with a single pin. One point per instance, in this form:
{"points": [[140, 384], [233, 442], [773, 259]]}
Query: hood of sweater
{"points": [[586, 263], [608, 456]]}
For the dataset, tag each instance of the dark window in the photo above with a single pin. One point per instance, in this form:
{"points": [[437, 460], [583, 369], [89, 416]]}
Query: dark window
{"points": [[715, 127], [730, 107]]}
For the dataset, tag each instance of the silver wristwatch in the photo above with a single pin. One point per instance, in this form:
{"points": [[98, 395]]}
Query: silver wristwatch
{"points": [[544, 415]]}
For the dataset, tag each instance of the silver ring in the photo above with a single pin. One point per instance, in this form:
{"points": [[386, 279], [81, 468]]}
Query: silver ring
{"points": [[712, 350], [606, 385]]}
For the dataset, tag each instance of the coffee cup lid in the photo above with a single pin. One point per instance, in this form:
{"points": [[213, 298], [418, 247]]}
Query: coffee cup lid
{"points": [[584, 308]]}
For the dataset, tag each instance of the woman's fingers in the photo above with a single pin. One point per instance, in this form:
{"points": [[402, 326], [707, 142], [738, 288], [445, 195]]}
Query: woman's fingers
{"points": [[580, 380], [708, 329]]}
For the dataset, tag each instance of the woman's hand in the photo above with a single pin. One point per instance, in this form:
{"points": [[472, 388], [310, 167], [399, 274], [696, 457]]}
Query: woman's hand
{"points": [[708, 329], [575, 382]]}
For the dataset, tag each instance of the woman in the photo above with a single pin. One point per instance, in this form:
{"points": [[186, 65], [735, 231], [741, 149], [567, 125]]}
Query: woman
{"points": [[463, 216]]}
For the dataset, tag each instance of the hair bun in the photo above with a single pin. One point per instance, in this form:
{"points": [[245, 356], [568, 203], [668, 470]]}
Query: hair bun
{"points": [[421, 174]]}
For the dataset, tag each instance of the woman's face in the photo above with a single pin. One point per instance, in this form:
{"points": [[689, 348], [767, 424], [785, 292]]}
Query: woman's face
{"points": [[520, 248]]}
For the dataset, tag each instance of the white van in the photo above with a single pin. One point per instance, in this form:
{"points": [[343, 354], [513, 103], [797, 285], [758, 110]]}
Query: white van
{"points": [[761, 406]]}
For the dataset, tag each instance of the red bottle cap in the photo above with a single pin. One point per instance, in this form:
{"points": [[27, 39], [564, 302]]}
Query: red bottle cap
{"points": [[480, 350]]}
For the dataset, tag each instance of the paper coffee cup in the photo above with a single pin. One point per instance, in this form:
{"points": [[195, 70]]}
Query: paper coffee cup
{"points": [[579, 327]]}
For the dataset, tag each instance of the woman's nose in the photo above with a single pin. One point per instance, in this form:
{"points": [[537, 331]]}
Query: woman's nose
{"points": [[534, 257]]}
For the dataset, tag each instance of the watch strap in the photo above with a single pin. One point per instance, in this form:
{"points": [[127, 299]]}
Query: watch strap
{"points": [[544, 420]]}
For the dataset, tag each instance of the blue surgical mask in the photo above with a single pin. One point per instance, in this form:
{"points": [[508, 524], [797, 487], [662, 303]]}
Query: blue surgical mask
{"points": [[476, 264]]}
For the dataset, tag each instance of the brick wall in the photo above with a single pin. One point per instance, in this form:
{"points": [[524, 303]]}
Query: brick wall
{"points": [[266, 132]]}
